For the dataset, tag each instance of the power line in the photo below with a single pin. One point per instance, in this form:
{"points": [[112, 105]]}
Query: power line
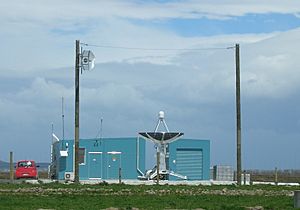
{"points": [[157, 49]]}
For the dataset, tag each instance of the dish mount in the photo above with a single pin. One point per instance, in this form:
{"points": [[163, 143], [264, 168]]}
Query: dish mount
{"points": [[161, 139]]}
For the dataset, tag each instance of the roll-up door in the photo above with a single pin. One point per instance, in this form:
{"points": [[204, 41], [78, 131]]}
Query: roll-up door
{"points": [[189, 162]]}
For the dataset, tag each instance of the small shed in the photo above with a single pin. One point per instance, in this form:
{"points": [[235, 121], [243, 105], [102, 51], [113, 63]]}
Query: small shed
{"points": [[103, 158]]}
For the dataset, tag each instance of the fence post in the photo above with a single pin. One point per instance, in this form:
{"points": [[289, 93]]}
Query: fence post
{"points": [[276, 176], [120, 175]]}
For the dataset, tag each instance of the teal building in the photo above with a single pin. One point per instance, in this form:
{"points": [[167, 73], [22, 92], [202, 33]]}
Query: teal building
{"points": [[190, 158], [99, 158], [107, 158]]}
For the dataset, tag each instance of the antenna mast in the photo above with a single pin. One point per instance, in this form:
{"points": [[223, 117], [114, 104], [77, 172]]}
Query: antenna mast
{"points": [[63, 118], [101, 128]]}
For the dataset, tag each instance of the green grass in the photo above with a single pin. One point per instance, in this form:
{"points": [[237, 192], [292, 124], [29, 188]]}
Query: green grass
{"points": [[143, 202], [101, 196]]}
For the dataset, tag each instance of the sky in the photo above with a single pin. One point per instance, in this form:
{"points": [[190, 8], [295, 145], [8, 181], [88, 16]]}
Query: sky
{"points": [[191, 78]]}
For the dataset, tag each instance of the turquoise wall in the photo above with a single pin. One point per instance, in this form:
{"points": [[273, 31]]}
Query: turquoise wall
{"points": [[190, 144], [101, 161], [103, 158]]}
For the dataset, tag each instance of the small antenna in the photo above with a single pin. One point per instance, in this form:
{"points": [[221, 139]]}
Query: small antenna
{"points": [[80, 60], [100, 131], [52, 128], [63, 118], [101, 127]]}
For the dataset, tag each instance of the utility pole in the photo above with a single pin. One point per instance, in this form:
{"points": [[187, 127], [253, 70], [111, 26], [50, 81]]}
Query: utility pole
{"points": [[76, 143], [84, 60], [238, 115]]}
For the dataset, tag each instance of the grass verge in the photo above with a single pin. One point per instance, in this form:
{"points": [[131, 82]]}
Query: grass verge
{"points": [[62, 196]]}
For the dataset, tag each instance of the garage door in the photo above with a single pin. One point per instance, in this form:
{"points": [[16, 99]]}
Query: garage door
{"points": [[189, 162]]}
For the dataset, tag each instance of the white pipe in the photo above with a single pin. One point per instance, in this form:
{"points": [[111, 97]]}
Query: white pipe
{"points": [[138, 156]]}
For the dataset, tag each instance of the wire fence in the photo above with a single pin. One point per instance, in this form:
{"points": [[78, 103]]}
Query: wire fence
{"points": [[286, 175]]}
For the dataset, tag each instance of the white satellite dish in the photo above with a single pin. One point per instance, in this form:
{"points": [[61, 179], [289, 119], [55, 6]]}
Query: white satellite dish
{"points": [[161, 140], [87, 60]]}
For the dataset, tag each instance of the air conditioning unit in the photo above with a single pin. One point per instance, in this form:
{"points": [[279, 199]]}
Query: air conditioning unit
{"points": [[69, 176]]}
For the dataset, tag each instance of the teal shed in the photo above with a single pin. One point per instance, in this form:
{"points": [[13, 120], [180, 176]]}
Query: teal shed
{"points": [[99, 158]]}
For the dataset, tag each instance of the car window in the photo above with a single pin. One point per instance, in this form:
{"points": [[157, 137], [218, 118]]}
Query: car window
{"points": [[21, 164], [25, 164]]}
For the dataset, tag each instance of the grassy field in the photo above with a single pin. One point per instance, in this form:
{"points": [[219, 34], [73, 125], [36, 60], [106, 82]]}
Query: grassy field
{"points": [[102, 196]]}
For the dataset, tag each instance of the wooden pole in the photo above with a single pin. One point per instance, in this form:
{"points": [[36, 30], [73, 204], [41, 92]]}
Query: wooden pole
{"points": [[238, 114], [76, 145], [11, 167]]}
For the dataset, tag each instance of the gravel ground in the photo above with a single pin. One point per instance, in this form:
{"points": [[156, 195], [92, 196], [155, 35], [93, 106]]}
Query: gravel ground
{"points": [[104, 191]]}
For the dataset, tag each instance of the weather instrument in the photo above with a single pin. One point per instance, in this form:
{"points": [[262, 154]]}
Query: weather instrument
{"points": [[87, 60]]}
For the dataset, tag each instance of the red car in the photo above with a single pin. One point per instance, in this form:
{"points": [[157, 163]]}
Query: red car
{"points": [[26, 169]]}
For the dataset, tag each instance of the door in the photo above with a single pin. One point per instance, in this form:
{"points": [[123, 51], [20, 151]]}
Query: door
{"points": [[189, 162], [113, 164], [95, 165]]}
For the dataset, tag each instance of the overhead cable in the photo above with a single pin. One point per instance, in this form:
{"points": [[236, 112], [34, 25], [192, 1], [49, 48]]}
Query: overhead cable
{"points": [[157, 49]]}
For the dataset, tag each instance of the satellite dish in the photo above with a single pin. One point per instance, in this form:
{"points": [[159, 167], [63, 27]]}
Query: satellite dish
{"points": [[161, 141], [161, 137], [87, 60]]}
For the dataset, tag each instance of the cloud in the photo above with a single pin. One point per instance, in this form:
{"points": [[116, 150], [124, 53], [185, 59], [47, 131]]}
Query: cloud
{"points": [[49, 31], [196, 89], [270, 67], [55, 10]]}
